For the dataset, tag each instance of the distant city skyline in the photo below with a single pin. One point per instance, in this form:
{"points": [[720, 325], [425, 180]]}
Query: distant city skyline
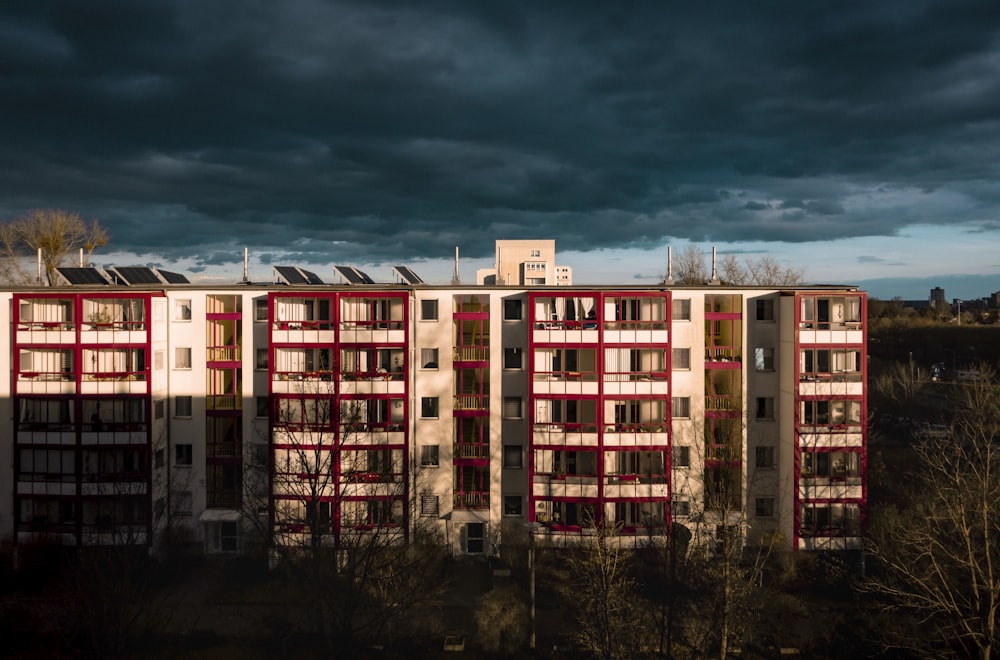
{"points": [[858, 142]]}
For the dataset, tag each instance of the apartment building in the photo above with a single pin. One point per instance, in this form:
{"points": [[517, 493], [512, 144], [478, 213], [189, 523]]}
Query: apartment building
{"points": [[156, 409]]}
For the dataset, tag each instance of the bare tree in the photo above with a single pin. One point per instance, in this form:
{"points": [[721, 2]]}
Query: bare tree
{"points": [[938, 559], [502, 620], [760, 271], [689, 266], [902, 382], [602, 594], [54, 232], [337, 519]]}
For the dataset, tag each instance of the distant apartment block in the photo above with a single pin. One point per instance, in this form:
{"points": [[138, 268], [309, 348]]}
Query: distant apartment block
{"points": [[483, 411]]}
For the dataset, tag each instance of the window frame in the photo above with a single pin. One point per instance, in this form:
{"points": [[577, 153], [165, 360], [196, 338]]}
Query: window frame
{"points": [[764, 409], [179, 409], [683, 402], [181, 313], [680, 364], [509, 452], [179, 361], [430, 456], [764, 507], [520, 505], [513, 309], [764, 310], [763, 359], [183, 454], [424, 362], [509, 402], [680, 309], [513, 352], [429, 306], [430, 404], [765, 457]]}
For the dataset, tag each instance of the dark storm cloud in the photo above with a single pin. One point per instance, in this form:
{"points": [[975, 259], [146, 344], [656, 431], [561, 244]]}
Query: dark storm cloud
{"points": [[390, 131]]}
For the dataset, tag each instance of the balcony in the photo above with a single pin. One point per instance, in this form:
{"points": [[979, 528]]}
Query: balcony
{"points": [[472, 402], [472, 500], [469, 451]]}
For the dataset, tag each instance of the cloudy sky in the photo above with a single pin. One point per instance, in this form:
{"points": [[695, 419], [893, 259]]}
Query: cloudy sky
{"points": [[859, 141]]}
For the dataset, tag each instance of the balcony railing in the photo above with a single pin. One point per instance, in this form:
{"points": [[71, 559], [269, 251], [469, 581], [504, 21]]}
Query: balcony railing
{"points": [[225, 499], [471, 353], [472, 500], [470, 450], [224, 402], [224, 354], [472, 401], [569, 376], [224, 450]]}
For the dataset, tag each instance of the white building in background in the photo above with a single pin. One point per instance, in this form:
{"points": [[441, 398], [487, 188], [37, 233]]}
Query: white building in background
{"points": [[481, 410], [526, 263]]}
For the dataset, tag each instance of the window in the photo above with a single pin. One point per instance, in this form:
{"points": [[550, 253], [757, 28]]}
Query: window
{"points": [[764, 507], [158, 458], [513, 358], [680, 507], [159, 409], [512, 310], [513, 457], [765, 407], [428, 505], [429, 406], [680, 407], [512, 407], [765, 309], [228, 536], [764, 457], [680, 358], [680, 310], [261, 361], [183, 454], [682, 456], [428, 310], [429, 455], [763, 359], [429, 358], [182, 310], [260, 309], [475, 538], [158, 360], [182, 406], [262, 407], [536, 254], [512, 505], [184, 503], [182, 358]]}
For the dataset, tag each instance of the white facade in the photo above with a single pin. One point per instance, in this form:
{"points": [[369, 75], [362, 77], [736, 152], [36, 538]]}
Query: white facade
{"points": [[512, 406]]}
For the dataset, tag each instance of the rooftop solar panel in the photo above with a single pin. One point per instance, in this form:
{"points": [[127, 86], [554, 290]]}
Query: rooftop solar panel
{"points": [[290, 275], [407, 275], [82, 276], [311, 276], [136, 275], [351, 274], [172, 278]]}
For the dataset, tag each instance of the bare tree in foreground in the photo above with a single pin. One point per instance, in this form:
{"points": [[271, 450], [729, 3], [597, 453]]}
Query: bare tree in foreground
{"points": [[56, 233], [338, 525], [602, 594], [939, 559]]}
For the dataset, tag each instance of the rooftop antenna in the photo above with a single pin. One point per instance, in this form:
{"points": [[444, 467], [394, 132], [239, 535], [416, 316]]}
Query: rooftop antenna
{"points": [[455, 279], [39, 265], [81, 258], [715, 277], [670, 266], [246, 264]]}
